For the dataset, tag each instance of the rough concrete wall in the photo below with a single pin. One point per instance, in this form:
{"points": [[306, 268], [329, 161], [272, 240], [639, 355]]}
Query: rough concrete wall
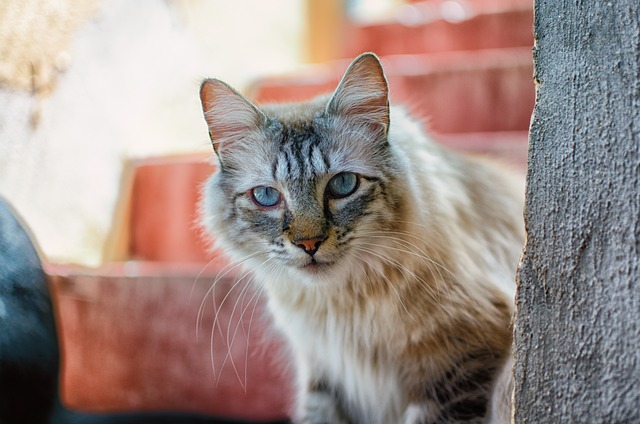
{"points": [[577, 338]]}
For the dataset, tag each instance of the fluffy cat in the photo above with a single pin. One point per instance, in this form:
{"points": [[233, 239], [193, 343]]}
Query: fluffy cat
{"points": [[388, 261]]}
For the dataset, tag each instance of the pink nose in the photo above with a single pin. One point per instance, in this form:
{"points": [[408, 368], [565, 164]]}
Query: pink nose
{"points": [[310, 246]]}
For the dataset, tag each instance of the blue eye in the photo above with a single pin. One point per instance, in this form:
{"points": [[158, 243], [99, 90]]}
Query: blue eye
{"points": [[343, 185], [265, 196]]}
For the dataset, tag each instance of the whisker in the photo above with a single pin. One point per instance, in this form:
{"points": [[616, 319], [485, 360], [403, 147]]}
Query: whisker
{"points": [[430, 229], [434, 266], [211, 292], [217, 323], [221, 274], [255, 304], [240, 300], [402, 267], [256, 296], [404, 306], [197, 277], [411, 250]]}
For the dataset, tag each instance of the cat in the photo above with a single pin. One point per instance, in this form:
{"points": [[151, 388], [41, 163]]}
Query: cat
{"points": [[388, 262]]}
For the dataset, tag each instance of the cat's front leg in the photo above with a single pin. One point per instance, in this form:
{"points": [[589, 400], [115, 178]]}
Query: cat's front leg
{"points": [[317, 401], [419, 413], [429, 413], [320, 407]]}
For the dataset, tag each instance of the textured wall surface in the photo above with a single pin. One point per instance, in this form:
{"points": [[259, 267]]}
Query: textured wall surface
{"points": [[577, 340]]}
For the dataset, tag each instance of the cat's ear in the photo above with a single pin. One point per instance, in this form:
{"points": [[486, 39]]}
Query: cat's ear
{"points": [[362, 96], [229, 115]]}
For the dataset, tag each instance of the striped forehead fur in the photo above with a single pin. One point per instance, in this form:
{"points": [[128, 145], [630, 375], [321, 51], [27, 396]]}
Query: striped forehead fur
{"points": [[304, 131], [295, 114]]}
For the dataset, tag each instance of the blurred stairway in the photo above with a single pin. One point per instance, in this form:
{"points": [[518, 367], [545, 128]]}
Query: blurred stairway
{"points": [[464, 67]]}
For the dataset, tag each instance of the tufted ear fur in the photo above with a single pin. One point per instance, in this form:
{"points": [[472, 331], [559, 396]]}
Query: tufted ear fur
{"points": [[229, 115], [362, 97]]}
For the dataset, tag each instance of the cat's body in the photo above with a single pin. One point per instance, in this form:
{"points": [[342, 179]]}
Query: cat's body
{"points": [[388, 261]]}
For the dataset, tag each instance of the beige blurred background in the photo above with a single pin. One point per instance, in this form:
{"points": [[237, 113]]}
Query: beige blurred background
{"points": [[87, 84]]}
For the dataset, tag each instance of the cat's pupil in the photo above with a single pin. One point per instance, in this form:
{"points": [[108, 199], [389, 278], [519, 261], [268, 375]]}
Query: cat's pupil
{"points": [[266, 196], [343, 185]]}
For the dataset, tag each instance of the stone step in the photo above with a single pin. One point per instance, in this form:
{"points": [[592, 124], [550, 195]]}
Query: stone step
{"points": [[455, 92], [163, 220], [431, 27], [483, 4], [156, 337]]}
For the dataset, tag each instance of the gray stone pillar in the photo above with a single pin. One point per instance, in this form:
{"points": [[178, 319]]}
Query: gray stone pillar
{"points": [[577, 328]]}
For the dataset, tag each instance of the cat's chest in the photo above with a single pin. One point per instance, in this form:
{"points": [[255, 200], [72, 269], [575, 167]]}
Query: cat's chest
{"points": [[351, 352], [368, 329]]}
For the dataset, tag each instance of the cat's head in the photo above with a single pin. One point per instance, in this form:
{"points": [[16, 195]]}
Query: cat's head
{"points": [[304, 188]]}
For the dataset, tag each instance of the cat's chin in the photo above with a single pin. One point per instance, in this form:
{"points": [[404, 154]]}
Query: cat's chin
{"points": [[316, 268], [316, 272]]}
